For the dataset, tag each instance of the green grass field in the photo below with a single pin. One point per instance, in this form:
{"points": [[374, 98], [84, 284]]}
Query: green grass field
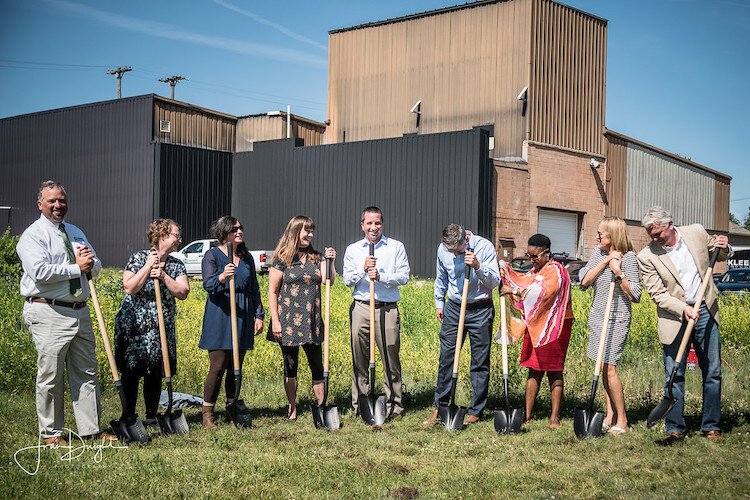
{"points": [[285, 459]]}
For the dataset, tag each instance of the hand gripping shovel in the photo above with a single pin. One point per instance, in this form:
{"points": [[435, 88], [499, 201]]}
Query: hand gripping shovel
{"points": [[508, 420], [372, 408], [669, 400], [452, 415], [587, 422], [127, 428], [326, 416], [239, 415], [170, 422]]}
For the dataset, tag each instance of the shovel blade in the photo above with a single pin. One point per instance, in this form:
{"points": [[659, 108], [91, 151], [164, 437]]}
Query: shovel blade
{"points": [[587, 423], [165, 424], [372, 409], [131, 429], [178, 423], [509, 421], [660, 411], [452, 416], [240, 416], [325, 417]]}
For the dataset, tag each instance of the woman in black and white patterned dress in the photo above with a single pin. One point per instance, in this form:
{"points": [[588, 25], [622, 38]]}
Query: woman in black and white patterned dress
{"points": [[612, 259]]}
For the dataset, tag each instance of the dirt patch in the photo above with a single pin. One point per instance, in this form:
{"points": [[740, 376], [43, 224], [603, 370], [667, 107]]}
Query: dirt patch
{"points": [[406, 492], [279, 437], [400, 469]]}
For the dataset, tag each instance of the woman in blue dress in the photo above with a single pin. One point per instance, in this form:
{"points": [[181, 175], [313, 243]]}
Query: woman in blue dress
{"points": [[137, 340], [216, 337]]}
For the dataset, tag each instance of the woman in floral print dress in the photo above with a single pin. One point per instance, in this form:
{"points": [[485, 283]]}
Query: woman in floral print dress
{"points": [[294, 282], [137, 341]]}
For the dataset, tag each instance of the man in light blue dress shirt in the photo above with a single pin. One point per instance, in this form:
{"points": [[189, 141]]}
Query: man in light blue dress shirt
{"points": [[388, 269], [461, 248], [56, 257]]}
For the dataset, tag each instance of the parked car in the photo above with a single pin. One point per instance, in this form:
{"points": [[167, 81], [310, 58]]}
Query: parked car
{"points": [[572, 264], [735, 280], [192, 255]]}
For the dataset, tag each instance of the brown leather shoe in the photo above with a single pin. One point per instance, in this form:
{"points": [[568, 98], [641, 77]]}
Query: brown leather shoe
{"points": [[432, 419], [670, 439], [713, 435], [106, 436], [471, 419], [208, 421], [55, 440]]}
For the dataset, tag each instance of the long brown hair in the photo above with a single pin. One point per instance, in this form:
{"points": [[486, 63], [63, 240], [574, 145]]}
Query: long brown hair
{"points": [[287, 247]]}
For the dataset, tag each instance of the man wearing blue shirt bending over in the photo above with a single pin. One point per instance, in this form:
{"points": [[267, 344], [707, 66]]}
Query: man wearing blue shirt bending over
{"points": [[461, 248], [388, 269]]}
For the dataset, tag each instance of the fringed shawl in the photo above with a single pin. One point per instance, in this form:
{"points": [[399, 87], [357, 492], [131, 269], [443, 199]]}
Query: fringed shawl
{"points": [[544, 304]]}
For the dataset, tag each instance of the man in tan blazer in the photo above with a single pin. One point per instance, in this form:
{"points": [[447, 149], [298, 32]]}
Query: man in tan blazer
{"points": [[673, 266]]}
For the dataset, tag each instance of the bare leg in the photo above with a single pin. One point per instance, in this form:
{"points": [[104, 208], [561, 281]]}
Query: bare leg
{"points": [[613, 386], [318, 391], [556, 392], [610, 416], [532, 389], [290, 386]]}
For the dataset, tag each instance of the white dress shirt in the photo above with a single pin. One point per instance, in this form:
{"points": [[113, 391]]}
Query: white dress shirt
{"points": [[46, 271], [683, 261], [392, 264]]}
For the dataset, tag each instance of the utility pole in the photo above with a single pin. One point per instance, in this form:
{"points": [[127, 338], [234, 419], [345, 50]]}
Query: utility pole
{"points": [[118, 73], [172, 81]]}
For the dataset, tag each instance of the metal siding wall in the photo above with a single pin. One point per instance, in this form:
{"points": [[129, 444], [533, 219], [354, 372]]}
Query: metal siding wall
{"points": [[617, 177], [655, 179], [252, 129], [193, 127], [194, 187], [102, 153], [568, 77], [421, 183], [721, 204], [466, 66]]}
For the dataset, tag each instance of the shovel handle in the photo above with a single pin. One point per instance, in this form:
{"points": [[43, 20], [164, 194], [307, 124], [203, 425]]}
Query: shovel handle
{"points": [[707, 279], [461, 321], [605, 328], [372, 313], [327, 319], [504, 333], [103, 329], [233, 312], [162, 330]]}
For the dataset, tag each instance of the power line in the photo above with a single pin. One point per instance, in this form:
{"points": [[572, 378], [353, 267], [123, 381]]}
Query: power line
{"points": [[51, 64]]}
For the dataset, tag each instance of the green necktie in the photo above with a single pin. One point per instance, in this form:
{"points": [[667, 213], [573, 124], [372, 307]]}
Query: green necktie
{"points": [[75, 283]]}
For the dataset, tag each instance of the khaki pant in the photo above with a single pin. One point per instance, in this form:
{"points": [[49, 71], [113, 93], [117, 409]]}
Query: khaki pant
{"points": [[386, 317], [64, 338]]}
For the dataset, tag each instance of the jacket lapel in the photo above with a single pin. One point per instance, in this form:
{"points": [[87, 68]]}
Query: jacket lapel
{"points": [[661, 254]]}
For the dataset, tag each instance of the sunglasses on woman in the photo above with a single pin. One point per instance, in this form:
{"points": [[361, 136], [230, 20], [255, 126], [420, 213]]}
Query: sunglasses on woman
{"points": [[237, 228], [533, 256]]}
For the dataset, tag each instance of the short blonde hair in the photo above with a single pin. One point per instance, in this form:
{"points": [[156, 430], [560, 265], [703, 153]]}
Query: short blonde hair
{"points": [[617, 230], [159, 228]]}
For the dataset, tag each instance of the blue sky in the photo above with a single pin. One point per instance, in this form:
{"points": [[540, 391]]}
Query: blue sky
{"points": [[678, 70]]}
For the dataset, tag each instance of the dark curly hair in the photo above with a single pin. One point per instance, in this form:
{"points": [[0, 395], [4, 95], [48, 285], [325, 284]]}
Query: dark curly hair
{"points": [[222, 227]]}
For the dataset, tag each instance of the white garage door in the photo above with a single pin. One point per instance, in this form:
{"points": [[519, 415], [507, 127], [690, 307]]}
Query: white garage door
{"points": [[562, 230]]}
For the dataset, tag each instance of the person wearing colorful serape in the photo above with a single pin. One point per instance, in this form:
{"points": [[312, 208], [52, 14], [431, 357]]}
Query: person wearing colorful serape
{"points": [[542, 295]]}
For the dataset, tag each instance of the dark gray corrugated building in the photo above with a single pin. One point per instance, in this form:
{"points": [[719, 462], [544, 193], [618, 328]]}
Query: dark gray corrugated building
{"points": [[123, 163]]}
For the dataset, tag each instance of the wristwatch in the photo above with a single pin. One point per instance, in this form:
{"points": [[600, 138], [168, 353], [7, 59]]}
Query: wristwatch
{"points": [[618, 278]]}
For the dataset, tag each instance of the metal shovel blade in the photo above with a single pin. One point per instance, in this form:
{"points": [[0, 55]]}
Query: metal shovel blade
{"points": [[587, 423], [660, 411], [130, 430], [509, 421], [240, 417], [325, 417], [452, 416], [373, 409]]}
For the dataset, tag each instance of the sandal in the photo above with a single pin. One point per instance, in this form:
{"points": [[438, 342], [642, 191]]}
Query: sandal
{"points": [[605, 426], [289, 415], [616, 431]]}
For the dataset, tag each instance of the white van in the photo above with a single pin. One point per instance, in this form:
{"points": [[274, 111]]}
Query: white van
{"points": [[192, 255]]}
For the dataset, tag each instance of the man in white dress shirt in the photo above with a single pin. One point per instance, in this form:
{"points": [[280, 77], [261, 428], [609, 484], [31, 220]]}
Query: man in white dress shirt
{"points": [[56, 257], [389, 269]]}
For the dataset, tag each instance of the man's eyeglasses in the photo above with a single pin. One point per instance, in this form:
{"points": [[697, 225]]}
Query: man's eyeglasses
{"points": [[237, 228], [176, 235], [533, 256]]}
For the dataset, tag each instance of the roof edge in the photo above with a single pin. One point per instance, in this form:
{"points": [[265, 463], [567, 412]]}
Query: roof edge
{"points": [[85, 105], [283, 114]]}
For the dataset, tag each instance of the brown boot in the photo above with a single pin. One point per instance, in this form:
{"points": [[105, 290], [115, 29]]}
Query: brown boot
{"points": [[208, 418]]}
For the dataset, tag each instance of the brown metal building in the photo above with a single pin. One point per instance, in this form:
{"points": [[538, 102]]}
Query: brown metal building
{"points": [[535, 71]]}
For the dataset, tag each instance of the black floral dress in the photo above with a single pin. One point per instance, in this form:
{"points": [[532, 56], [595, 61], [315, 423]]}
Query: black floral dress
{"points": [[137, 342], [299, 303]]}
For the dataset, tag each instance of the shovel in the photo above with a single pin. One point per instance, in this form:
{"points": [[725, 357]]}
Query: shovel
{"points": [[372, 408], [452, 415], [509, 420], [129, 429], [326, 416], [239, 415], [170, 422], [587, 422], [669, 400]]}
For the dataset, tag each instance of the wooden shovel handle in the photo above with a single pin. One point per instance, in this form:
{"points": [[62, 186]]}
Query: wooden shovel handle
{"points": [[327, 318], [162, 330], [461, 321], [504, 333], [233, 312], [103, 329], [605, 327], [372, 313]]}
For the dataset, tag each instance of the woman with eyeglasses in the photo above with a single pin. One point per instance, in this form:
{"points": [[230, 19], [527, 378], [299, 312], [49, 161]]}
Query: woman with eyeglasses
{"points": [[612, 259], [542, 295], [137, 341], [294, 279], [216, 338]]}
